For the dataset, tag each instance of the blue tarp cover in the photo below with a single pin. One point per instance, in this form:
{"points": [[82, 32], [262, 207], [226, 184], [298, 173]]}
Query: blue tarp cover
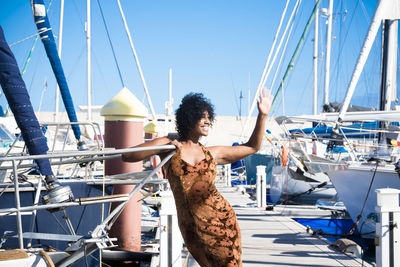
{"points": [[18, 99], [46, 34]]}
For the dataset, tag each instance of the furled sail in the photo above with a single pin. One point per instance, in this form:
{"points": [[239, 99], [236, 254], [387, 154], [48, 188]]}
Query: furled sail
{"points": [[46, 35], [18, 99]]}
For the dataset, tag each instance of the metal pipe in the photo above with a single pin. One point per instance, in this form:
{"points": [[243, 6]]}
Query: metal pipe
{"points": [[63, 147], [89, 60], [266, 71], [35, 203], [92, 159], [68, 222], [60, 34], [18, 206], [368, 42], [153, 113], [296, 52], [328, 53], [84, 251], [315, 64], [89, 153], [12, 145], [114, 214], [77, 202], [129, 182]]}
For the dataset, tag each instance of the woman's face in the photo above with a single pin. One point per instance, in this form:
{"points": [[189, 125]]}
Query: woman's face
{"points": [[203, 125]]}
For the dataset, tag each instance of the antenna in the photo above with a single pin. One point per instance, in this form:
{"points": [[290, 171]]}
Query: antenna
{"points": [[240, 104], [168, 104]]}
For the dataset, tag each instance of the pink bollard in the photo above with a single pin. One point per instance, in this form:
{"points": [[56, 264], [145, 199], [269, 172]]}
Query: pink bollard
{"points": [[123, 128]]}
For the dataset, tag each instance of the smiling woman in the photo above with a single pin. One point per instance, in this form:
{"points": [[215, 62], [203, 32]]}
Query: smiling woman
{"points": [[192, 111], [207, 221]]}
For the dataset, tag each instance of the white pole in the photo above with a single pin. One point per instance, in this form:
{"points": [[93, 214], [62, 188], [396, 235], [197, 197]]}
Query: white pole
{"points": [[168, 104], [89, 61], [170, 100], [170, 86], [248, 97], [60, 34], [137, 62], [268, 66], [283, 99], [387, 227], [369, 40], [170, 236], [228, 175], [315, 64], [328, 53], [261, 186], [391, 65]]}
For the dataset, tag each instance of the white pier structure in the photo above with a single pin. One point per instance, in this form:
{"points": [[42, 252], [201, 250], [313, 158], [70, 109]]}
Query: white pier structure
{"points": [[387, 238]]}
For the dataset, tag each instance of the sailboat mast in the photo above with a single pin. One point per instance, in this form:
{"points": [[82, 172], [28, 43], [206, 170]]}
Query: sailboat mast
{"points": [[170, 92], [328, 53], [248, 96], [393, 35], [380, 11], [389, 62], [240, 105], [46, 35], [137, 62], [168, 104], [389, 52], [315, 63], [296, 51], [60, 35], [89, 60]]}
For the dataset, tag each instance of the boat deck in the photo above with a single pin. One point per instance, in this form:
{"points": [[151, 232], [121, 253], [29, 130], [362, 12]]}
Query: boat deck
{"points": [[272, 238]]}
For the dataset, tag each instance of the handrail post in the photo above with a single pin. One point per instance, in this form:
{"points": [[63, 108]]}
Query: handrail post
{"points": [[18, 206], [261, 186], [36, 202], [387, 227], [228, 174], [170, 236]]}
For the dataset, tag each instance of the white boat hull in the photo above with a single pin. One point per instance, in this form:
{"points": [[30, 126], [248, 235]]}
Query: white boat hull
{"points": [[353, 183]]}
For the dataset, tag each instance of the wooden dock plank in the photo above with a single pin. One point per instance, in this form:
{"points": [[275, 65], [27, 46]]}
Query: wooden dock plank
{"points": [[272, 239]]}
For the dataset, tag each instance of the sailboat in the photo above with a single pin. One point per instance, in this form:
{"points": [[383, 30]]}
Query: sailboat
{"points": [[77, 224], [288, 183], [357, 179]]}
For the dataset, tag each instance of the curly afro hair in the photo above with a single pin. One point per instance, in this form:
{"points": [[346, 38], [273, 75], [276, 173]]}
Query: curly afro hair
{"points": [[190, 111]]}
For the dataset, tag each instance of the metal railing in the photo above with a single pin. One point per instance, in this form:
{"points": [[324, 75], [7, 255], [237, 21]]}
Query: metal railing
{"points": [[99, 234], [355, 149], [52, 131], [62, 125]]}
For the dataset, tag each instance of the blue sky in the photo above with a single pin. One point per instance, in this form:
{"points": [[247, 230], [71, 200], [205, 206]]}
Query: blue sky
{"points": [[218, 48]]}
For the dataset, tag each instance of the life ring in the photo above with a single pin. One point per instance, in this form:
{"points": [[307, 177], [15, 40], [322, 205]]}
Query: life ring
{"points": [[285, 152]]}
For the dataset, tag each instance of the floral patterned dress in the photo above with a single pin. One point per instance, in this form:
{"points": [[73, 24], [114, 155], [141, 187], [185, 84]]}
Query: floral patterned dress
{"points": [[207, 221]]}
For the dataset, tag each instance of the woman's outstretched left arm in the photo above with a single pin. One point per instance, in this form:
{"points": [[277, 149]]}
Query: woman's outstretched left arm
{"points": [[229, 154]]}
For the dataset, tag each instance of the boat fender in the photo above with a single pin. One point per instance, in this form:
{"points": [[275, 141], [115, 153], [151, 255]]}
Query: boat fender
{"points": [[285, 152], [347, 246], [155, 161]]}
